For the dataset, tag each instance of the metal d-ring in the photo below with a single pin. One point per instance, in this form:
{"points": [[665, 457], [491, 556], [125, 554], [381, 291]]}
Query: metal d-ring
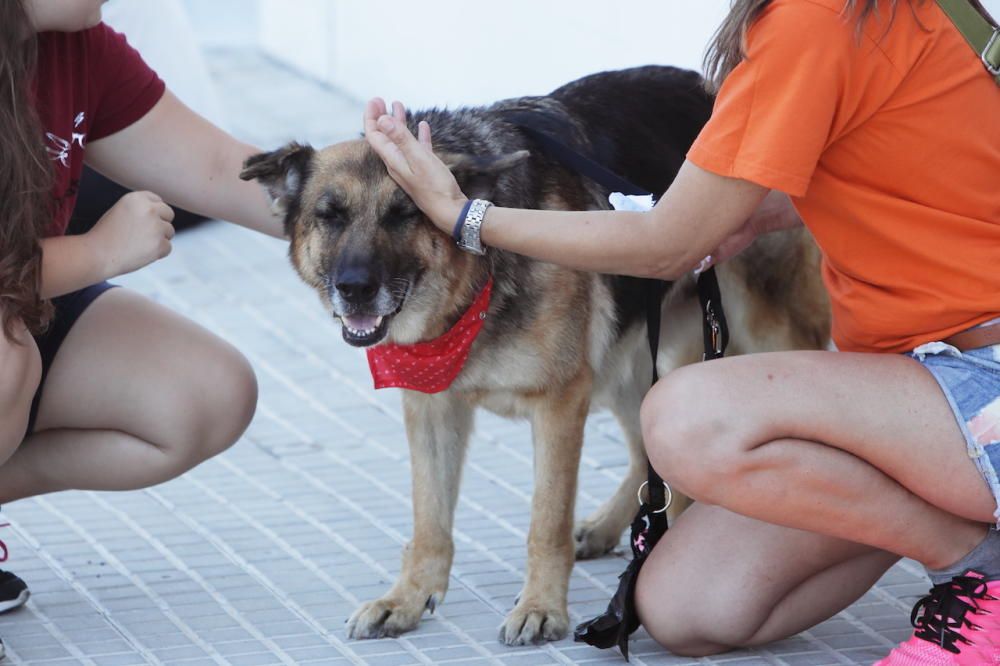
{"points": [[666, 505]]}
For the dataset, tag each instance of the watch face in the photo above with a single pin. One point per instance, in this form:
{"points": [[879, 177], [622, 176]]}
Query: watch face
{"points": [[470, 241]]}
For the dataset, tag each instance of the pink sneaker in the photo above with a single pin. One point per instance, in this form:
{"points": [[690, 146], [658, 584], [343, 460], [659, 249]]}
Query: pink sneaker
{"points": [[957, 623]]}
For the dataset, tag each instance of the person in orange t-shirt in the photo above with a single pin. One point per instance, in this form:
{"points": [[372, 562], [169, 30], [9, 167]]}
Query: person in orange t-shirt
{"points": [[877, 125]]}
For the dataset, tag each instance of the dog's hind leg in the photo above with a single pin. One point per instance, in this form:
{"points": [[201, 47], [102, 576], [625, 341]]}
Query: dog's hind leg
{"points": [[680, 344], [601, 531], [557, 429], [438, 428]]}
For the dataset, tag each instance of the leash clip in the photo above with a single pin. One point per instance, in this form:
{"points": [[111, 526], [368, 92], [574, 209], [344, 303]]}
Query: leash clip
{"points": [[714, 331], [667, 502]]}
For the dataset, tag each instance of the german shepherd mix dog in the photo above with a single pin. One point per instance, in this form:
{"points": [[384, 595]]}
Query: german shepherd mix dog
{"points": [[556, 343]]}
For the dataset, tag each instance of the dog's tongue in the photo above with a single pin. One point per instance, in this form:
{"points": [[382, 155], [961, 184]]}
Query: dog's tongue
{"points": [[365, 323]]}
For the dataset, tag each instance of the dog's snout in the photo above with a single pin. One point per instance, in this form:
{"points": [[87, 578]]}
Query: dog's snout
{"points": [[358, 291], [357, 285]]}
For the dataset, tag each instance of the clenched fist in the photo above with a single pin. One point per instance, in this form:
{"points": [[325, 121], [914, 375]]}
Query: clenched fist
{"points": [[134, 233]]}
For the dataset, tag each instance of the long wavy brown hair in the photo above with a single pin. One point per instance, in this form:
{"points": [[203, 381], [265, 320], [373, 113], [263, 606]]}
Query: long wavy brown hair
{"points": [[728, 47], [25, 177]]}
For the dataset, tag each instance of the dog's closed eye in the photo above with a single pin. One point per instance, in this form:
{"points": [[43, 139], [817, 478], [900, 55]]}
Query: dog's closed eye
{"points": [[331, 214], [399, 215], [329, 210]]}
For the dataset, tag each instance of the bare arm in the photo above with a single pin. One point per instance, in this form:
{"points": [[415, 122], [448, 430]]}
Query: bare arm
{"points": [[70, 263], [188, 161], [695, 216], [775, 213], [136, 231]]}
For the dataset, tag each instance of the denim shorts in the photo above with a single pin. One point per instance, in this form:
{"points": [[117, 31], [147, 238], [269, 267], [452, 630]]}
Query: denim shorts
{"points": [[971, 382]]}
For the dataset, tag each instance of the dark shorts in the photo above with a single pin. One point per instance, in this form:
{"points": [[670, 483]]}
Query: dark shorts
{"points": [[68, 310]]}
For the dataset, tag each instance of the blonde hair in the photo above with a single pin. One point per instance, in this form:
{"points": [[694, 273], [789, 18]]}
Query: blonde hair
{"points": [[728, 47]]}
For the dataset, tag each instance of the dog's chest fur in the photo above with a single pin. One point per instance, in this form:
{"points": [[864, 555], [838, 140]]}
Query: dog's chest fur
{"points": [[572, 329]]}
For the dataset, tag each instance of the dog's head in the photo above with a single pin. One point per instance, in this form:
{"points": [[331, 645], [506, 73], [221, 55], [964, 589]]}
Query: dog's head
{"points": [[377, 262]]}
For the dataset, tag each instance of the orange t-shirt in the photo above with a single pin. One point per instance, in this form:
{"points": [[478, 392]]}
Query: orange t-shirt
{"points": [[889, 144]]}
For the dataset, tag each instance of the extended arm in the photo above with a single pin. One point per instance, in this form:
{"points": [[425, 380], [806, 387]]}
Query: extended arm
{"points": [[172, 153], [188, 161], [699, 212]]}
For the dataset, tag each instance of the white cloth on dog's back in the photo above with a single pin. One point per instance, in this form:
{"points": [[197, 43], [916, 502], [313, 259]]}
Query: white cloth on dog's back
{"points": [[642, 204], [631, 202]]}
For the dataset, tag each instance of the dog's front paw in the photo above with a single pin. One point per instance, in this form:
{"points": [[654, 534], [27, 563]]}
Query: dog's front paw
{"points": [[531, 623], [389, 616], [594, 538]]}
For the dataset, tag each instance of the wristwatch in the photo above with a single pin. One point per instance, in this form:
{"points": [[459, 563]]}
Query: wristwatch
{"points": [[468, 236]]}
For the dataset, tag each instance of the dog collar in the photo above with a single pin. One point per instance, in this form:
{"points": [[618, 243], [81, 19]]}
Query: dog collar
{"points": [[431, 367]]}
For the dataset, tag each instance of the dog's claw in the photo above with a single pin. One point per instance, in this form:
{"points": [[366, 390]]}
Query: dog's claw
{"points": [[382, 618], [391, 616], [531, 625]]}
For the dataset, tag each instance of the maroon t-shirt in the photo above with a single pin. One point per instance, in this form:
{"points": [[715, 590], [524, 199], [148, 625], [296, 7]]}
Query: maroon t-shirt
{"points": [[90, 84]]}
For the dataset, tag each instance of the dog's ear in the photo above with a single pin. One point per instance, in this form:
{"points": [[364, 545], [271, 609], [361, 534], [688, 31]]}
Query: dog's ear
{"points": [[477, 174], [282, 173]]}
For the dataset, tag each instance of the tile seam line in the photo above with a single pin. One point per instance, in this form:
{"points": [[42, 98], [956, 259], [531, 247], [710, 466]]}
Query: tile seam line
{"points": [[182, 566], [252, 570], [153, 596], [293, 552], [80, 589]]}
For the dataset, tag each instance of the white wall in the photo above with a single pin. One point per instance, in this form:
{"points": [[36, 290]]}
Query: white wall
{"points": [[165, 35], [224, 22], [302, 33], [450, 52]]}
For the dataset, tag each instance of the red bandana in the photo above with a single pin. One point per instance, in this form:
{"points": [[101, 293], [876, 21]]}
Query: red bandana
{"points": [[430, 367]]}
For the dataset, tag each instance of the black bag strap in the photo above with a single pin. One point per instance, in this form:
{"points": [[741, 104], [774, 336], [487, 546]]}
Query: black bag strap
{"points": [[615, 625]]}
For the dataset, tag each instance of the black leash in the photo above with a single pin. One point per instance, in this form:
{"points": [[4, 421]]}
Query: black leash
{"points": [[545, 130], [618, 622]]}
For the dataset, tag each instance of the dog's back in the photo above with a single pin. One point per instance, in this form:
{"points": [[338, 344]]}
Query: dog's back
{"points": [[640, 122]]}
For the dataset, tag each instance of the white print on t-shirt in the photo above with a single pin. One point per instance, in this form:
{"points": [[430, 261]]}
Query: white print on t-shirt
{"points": [[59, 148]]}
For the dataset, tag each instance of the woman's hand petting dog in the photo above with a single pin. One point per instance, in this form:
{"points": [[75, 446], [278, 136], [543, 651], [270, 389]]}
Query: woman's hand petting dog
{"points": [[412, 163]]}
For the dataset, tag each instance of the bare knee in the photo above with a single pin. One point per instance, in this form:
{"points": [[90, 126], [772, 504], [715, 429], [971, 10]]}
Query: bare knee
{"points": [[20, 374], [218, 412], [240, 397], [686, 641], [234, 402], [691, 430], [689, 627]]}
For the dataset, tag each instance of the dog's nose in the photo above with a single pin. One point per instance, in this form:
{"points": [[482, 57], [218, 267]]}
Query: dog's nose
{"points": [[358, 288]]}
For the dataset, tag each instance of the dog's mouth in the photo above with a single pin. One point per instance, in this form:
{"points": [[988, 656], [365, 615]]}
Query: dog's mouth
{"points": [[365, 330]]}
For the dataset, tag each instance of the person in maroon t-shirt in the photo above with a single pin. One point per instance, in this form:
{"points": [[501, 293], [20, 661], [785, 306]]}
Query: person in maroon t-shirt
{"points": [[117, 392]]}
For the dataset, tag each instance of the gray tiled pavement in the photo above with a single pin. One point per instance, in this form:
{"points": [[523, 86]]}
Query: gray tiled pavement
{"points": [[258, 556]]}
